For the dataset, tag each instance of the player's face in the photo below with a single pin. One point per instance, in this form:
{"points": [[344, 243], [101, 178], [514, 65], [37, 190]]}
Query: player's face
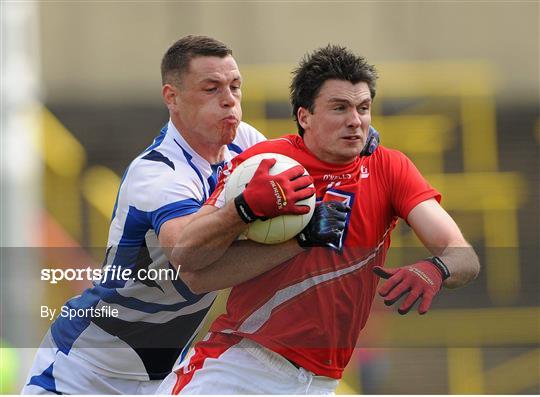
{"points": [[208, 99], [337, 129]]}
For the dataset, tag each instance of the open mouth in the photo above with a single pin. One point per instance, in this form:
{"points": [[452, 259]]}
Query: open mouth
{"points": [[352, 138]]}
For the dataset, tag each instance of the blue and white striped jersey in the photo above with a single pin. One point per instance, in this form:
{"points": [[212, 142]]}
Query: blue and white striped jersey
{"points": [[157, 320]]}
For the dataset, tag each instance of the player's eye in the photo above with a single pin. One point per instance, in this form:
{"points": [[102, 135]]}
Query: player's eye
{"points": [[211, 89], [339, 107]]}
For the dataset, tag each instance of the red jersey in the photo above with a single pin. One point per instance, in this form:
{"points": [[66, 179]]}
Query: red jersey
{"points": [[311, 308]]}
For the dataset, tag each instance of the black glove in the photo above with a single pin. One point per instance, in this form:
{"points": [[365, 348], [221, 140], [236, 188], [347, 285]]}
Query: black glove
{"points": [[326, 227], [372, 142]]}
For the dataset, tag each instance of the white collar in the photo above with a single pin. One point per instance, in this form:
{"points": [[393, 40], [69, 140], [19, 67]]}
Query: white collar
{"points": [[196, 158]]}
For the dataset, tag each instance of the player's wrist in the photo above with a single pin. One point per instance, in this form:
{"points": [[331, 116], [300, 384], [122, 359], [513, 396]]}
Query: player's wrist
{"points": [[244, 210], [440, 266]]}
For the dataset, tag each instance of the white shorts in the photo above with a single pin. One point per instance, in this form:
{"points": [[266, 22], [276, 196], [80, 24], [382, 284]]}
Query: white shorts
{"points": [[54, 372], [243, 367]]}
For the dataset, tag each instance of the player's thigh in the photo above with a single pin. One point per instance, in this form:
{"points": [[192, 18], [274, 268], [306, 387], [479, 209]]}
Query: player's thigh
{"points": [[236, 371], [73, 377]]}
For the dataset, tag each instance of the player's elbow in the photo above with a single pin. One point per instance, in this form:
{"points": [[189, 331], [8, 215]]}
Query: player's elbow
{"points": [[472, 268], [475, 266], [195, 282], [181, 259]]}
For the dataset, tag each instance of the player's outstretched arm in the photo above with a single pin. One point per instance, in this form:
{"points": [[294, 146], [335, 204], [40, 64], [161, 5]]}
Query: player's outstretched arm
{"points": [[455, 263]]}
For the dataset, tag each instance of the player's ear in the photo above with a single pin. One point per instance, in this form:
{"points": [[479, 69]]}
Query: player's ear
{"points": [[169, 94], [303, 116]]}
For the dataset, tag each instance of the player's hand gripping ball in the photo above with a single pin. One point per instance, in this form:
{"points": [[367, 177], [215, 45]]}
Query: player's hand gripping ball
{"points": [[274, 194]]}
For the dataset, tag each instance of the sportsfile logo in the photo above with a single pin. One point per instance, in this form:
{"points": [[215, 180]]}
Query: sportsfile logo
{"points": [[281, 200], [113, 273]]}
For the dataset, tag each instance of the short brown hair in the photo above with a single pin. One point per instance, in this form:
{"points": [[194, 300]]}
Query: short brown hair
{"points": [[330, 62], [177, 58]]}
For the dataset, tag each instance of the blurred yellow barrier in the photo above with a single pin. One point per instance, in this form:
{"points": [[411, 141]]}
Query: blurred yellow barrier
{"points": [[424, 138], [497, 196], [274, 128], [465, 371], [479, 134], [62, 151], [481, 191], [344, 389], [436, 78], [417, 133], [471, 83], [64, 158], [99, 188], [515, 375], [511, 326], [262, 83]]}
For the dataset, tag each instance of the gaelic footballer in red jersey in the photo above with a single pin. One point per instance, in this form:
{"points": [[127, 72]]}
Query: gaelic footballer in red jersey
{"points": [[379, 189], [293, 329]]}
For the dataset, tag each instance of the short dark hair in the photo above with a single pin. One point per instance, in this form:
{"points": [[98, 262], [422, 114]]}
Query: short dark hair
{"points": [[330, 62], [177, 58]]}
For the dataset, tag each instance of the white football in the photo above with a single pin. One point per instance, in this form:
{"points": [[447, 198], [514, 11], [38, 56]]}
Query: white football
{"points": [[275, 230]]}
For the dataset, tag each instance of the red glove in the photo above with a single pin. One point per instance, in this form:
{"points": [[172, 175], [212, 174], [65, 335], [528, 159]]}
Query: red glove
{"points": [[267, 196], [422, 280]]}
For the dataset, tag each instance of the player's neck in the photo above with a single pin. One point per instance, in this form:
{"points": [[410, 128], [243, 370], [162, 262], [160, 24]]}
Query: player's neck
{"points": [[212, 153]]}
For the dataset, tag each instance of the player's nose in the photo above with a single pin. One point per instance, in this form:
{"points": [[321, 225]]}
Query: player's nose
{"points": [[354, 120], [227, 99]]}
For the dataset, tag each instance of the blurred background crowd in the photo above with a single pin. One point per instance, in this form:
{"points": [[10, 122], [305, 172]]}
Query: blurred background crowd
{"points": [[458, 93]]}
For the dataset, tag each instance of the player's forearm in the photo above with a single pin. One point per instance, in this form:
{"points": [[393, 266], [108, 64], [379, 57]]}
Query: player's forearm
{"points": [[243, 261], [463, 264], [204, 240]]}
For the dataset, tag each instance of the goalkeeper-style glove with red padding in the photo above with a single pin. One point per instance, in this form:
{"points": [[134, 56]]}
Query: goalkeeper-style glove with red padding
{"points": [[325, 229], [267, 196], [422, 280]]}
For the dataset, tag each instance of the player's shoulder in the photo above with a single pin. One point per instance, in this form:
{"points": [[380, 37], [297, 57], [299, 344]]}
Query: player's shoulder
{"points": [[390, 163], [388, 155], [153, 181], [152, 164]]}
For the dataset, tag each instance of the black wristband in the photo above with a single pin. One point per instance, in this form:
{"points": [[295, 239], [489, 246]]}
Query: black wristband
{"points": [[439, 264], [243, 209]]}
